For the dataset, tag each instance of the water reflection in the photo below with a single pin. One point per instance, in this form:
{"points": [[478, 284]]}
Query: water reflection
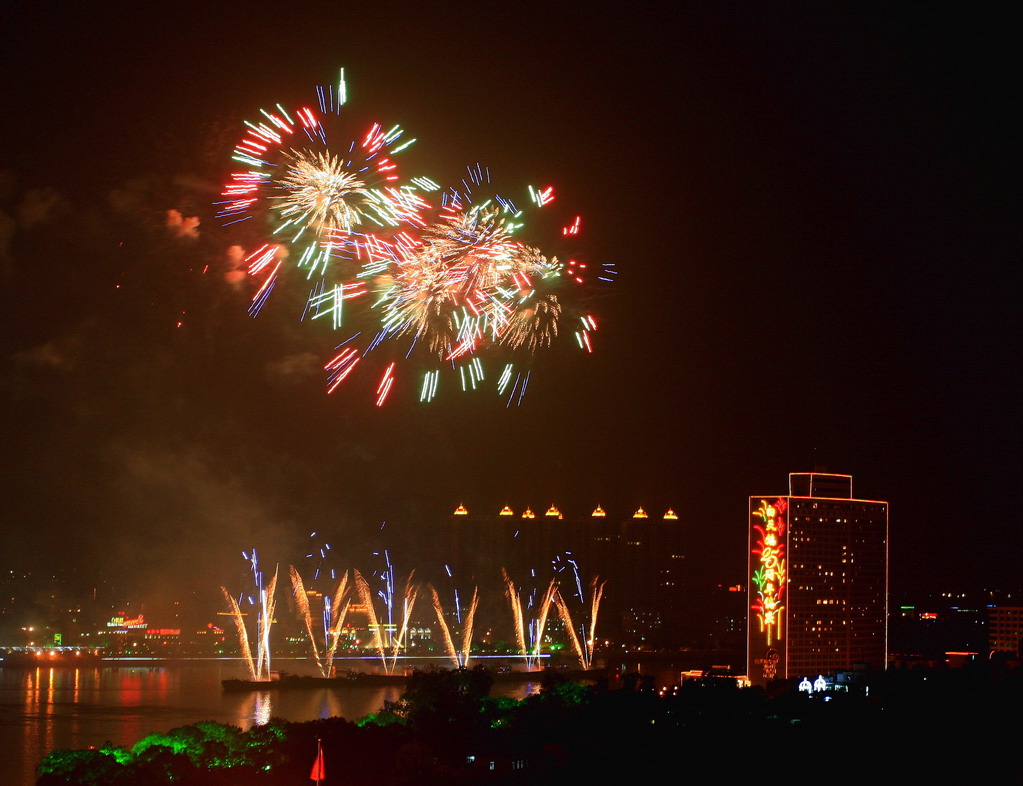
{"points": [[75, 698], [529, 689], [42, 709], [263, 708], [352, 703], [50, 689]]}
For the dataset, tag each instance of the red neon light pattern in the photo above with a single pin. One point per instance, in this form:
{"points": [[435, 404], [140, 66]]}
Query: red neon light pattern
{"points": [[770, 576]]}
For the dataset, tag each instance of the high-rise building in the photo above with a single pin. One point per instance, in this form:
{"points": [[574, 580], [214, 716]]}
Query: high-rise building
{"points": [[640, 557], [818, 567], [1005, 629]]}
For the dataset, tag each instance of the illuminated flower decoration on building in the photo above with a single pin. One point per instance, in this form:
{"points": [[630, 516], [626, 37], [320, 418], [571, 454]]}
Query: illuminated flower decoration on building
{"points": [[770, 576]]}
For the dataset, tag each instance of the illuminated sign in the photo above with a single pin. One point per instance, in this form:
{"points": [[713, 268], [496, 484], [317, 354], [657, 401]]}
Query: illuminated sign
{"points": [[768, 664], [769, 577], [819, 685], [120, 621]]}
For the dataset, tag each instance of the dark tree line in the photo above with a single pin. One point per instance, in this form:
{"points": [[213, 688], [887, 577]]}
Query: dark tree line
{"points": [[446, 729]]}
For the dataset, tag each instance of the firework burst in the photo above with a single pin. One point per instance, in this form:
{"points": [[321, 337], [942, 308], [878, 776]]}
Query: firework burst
{"points": [[316, 198], [321, 192], [465, 288], [445, 286]]}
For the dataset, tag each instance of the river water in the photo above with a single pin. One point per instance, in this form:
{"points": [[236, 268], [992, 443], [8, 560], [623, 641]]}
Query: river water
{"points": [[43, 709]]}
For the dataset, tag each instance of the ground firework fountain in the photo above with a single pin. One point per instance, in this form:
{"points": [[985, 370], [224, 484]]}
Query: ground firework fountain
{"points": [[583, 647], [460, 657], [408, 604], [264, 603], [335, 609], [539, 624], [388, 638], [389, 608], [530, 649], [515, 601], [366, 600]]}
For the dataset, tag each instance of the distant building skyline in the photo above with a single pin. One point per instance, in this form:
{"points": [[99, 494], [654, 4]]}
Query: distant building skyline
{"points": [[640, 556]]}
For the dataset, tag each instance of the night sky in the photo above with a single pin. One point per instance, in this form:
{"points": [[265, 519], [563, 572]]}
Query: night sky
{"points": [[814, 210]]}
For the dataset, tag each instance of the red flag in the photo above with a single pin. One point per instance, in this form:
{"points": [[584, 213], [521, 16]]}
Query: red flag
{"points": [[319, 771]]}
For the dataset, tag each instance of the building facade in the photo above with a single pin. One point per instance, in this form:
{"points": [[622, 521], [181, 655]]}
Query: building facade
{"points": [[639, 557], [818, 591], [1005, 629]]}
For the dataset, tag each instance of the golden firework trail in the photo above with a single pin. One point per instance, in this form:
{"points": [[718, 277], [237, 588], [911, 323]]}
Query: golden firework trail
{"points": [[338, 612], [443, 625], [409, 602], [566, 618], [583, 648], [467, 628], [541, 619], [596, 594], [302, 601], [460, 657], [366, 599], [516, 608], [264, 623], [243, 636]]}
